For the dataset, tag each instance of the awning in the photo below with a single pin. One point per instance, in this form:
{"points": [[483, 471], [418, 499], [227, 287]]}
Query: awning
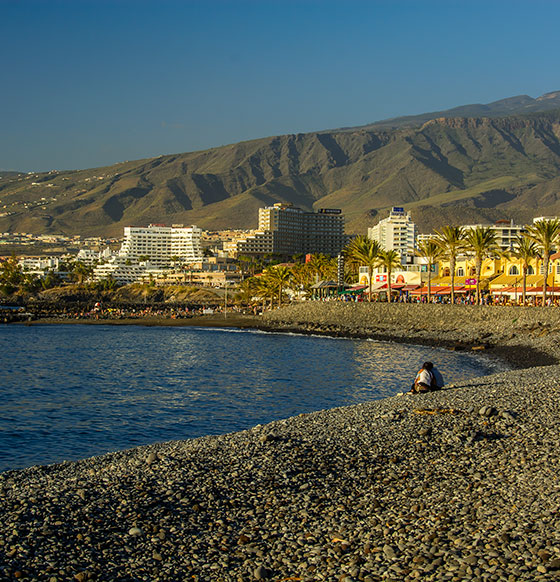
{"points": [[437, 290], [512, 291], [539, 290], [325, 285], [353, 290]]}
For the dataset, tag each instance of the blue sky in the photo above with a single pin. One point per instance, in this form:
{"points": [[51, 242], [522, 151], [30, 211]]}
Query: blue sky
{"points": [[89, 83]]}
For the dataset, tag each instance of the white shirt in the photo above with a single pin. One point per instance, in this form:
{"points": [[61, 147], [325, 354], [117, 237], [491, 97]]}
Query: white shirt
{"points": [[424, 377]]}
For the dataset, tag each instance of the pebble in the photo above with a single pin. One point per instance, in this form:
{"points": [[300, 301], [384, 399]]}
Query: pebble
{"points": [[354, 493], [135, 531]]}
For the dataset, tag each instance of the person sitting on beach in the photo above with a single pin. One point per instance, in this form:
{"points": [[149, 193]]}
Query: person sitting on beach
{"points": [[438, 379], [425, 380]]}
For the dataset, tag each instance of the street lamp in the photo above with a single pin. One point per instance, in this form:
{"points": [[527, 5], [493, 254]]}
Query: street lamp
{"points": [[225, 299]]}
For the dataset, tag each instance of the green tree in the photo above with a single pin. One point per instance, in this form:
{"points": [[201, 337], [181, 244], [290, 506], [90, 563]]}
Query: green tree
{"points": [[279, 277], [247, 290], [81, 271], [525, 250], [322, 266], [481, 242], [451, 239], [545, 234], [265, 290], [432, 252], [363, 251], [249, 264], [50, 280], [389, 260], [11, 276], [302, 277], [30, 283]]}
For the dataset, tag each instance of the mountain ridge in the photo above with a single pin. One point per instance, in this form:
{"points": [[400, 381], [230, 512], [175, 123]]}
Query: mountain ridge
{"points": [[445, 170]]}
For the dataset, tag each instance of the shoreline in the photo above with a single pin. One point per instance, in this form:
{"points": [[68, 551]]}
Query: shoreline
{"points": [[460, 484], [517, 354]]}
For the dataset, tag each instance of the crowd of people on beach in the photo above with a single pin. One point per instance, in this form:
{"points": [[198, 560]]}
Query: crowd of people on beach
{"points": [[99, 312], [462, 299]]}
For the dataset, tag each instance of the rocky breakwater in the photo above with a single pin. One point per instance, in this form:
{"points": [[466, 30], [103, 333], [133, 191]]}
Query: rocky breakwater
{"points": [[523, 335], [456, 485]]}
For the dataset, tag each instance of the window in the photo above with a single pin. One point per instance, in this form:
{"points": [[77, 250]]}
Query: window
{"points": [[514, 270], [460, 272]]}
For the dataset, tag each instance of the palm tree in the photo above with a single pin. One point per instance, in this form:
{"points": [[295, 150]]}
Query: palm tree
{"points": [[431, 251], [481, 241], [322, 266], [279, 276], [249, 264], [451, 239], [363, 251], [545, 234], [301, 277], [525, 250], [265, 290], [247, 290], [389, 260]]}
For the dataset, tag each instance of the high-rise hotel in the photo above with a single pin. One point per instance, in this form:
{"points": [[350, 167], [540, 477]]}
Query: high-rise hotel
{"points": [[160, 243], [151, 247], [397, 232], [286, 230]]}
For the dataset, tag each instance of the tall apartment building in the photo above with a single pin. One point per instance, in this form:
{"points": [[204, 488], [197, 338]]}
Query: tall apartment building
{"points": [[397, 233], [160, 243], [286, 230], [506, 231], [151, 247]]}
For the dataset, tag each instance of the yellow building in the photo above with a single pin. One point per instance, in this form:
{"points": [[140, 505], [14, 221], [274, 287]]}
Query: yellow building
{"points": [[512, 275], [465, 272]]}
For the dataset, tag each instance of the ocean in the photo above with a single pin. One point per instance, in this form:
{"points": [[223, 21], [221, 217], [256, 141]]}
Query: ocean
{"points": [[75, 391]]}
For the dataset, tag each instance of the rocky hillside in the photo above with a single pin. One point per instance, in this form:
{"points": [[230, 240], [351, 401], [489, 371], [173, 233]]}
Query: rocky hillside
{"points": [[518, 105], [450, 169]]}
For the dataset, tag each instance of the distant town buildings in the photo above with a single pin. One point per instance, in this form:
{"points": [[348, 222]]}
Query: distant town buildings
{"points": [[397, 233], [177, 254], [284, 229]]}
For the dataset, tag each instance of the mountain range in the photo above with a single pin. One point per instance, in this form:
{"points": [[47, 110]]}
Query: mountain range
{"points": [[470, 164]]}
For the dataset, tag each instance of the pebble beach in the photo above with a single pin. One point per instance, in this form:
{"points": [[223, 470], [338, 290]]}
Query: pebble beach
{"points": [[460, 484]]}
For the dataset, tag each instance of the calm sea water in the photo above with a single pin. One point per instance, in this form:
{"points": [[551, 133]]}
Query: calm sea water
{"points": [[74, 391]]}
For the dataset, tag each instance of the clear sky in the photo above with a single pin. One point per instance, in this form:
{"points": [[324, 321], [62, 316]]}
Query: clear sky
{"points": [[87, 83]]}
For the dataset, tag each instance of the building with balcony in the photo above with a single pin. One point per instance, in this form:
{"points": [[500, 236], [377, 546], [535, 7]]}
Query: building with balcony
{"points": [[284, 229], [148, 250], [397, 232], [162, 245]]}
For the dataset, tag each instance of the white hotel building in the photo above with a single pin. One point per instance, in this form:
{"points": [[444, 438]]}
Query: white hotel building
{"points": [[397, 233], [148, 250]]}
